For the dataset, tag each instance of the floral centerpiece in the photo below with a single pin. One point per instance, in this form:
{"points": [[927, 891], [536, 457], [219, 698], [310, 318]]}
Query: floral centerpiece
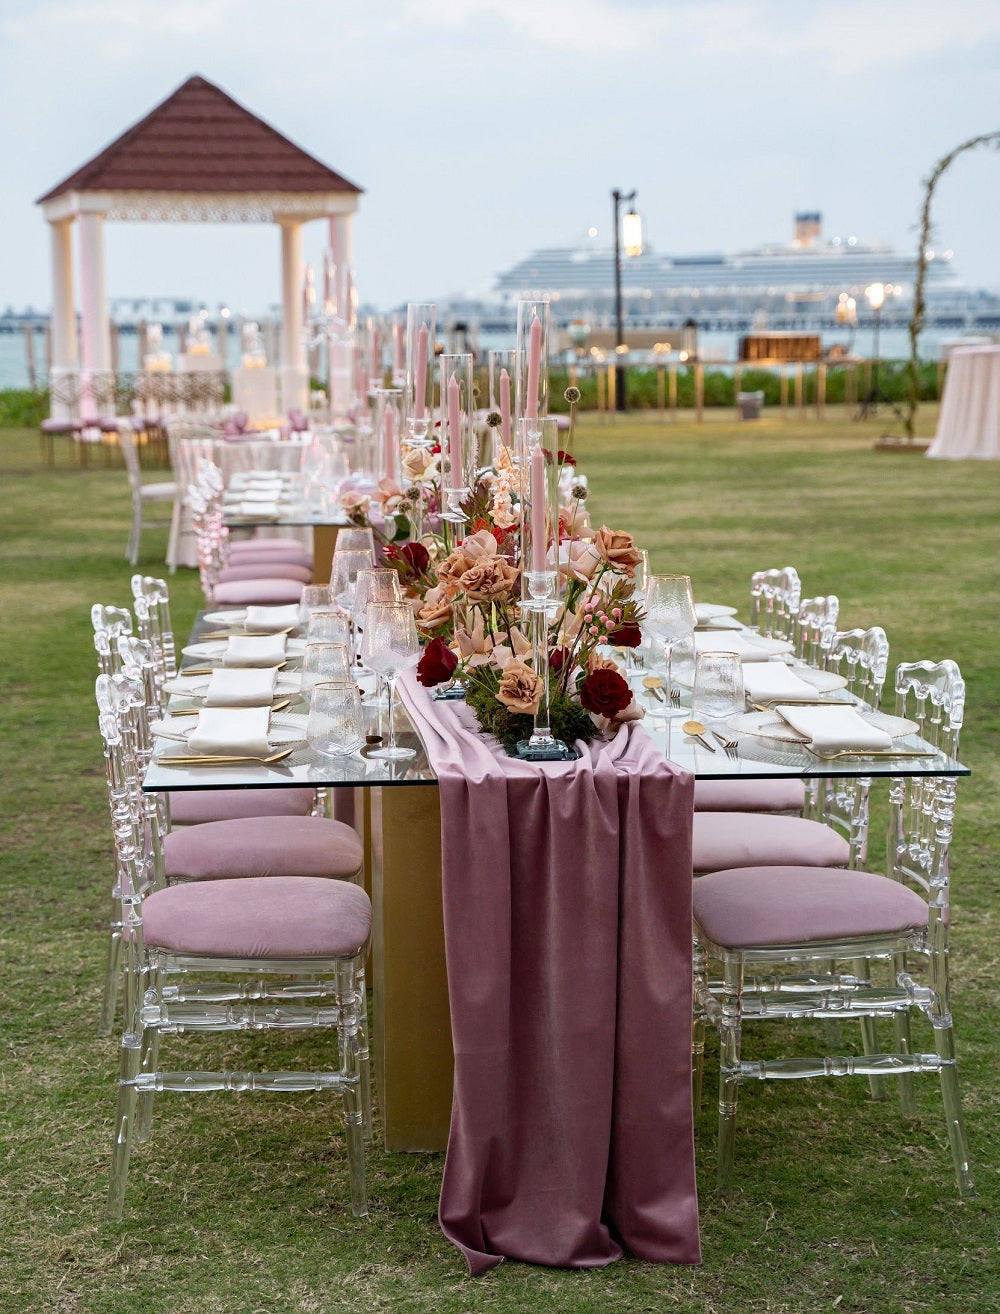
{"points": [[466, 594]]}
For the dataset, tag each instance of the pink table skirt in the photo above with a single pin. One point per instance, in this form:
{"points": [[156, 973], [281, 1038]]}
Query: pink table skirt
{"points": [[567, 910], [968, 425]]}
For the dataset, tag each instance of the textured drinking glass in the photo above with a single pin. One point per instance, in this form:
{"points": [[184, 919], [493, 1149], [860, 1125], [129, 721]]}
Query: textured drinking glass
{"points": [[374, 585], [670, 616], [329, 625], [323, 662], [718, 686], [313, 596], [391, 646], [355, 538], [335, 723]]}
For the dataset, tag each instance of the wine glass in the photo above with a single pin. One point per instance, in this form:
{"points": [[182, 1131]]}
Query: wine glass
{"points": [[391, 646], [328, 625], [335, 721], [355, 538], [670, 616], [313, 595], [377, 584], [344, 571]]}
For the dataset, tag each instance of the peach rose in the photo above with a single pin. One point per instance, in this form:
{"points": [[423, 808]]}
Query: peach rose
{"points": [[519, 647], [435, 612], [579, 559], [417, 464], [451, 570], [617, 549], [490, 579], [352, 500], [479, 545], [520, 688]]}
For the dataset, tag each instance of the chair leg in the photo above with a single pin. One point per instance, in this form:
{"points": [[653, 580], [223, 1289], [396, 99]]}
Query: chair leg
{"points": [[350, 1074], [132, 554], [730, 1026], [869, 1033], [901, 1029], [148, 1060], [364, 1059], [697, 1028], [112, 973], [124, 1124]]}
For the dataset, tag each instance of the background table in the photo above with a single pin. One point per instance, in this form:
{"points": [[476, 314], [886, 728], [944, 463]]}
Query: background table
{"points": [[969, 420]]}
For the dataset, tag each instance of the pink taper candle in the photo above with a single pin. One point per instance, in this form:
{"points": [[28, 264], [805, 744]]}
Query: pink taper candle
{"points": [[534, 368], [505, 406], [539, 538], [423, 333], [389, 442], [455, 433]]}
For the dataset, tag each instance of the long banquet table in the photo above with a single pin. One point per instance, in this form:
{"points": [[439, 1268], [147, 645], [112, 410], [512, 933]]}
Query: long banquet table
{"points": [[566, 984]]}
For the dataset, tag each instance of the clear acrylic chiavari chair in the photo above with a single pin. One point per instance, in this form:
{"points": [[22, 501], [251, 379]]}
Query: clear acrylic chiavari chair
{"points": [[151, 601], [248, 954], [789, 941], [815, 626], [775, 596]]}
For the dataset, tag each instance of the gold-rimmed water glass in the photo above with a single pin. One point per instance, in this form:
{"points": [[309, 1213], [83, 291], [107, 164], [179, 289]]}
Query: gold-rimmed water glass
{"points": [[391, 646]]}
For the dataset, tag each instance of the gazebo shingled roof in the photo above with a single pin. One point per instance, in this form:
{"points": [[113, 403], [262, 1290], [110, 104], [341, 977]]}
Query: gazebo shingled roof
{"points": [[201, 140]]}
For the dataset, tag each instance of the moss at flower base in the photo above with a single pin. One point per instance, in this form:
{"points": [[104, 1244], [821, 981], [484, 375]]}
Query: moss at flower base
{"points": [[568, 720]]}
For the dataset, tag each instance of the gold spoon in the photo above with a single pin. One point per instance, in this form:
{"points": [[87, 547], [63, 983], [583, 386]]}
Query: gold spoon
{"points": [[654, 684], [697, 731]]}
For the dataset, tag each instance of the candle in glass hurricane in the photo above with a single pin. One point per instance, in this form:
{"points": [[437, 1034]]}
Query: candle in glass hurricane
{"points": [[420, 374], [455, 433], [534, 368], [505, 406], [539, 537]]}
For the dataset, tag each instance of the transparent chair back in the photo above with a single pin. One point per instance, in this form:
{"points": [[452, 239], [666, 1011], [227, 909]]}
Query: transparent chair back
{"points": [[152, 612], [862, 657], [775, 596], [817, 622]]}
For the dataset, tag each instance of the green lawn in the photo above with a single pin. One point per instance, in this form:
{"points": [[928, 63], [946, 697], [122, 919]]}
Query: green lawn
{"points": [[240, 1204]]}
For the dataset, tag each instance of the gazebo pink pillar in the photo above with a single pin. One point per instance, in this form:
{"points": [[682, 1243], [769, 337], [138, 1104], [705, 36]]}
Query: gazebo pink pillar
{"points": [[95, 327], [294, 372], [65, 357], [340, 361]]}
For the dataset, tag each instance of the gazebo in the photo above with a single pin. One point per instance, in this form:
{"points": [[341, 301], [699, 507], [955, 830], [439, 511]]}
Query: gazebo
{"points": [[198, 157]]}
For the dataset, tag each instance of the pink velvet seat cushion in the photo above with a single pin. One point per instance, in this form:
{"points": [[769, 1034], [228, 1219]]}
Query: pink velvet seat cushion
{"points": [[287, 917], [273, 569], [263, 846], [276, 546], [749, 795], [263, 592], [194, 807], [257, 556], [751, 907], [61, 426], [754, 839]]}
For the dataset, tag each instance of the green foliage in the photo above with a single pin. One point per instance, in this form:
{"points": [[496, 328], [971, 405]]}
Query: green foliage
{"points": [[567, 718], [20, 408]]}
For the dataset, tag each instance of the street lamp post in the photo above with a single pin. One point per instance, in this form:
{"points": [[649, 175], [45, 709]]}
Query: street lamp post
{"points": [[633, 246], [875, 295]]}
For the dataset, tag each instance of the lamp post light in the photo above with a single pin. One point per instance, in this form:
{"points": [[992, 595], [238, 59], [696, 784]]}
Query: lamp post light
{"points": [[628, 233], [875, 295]]}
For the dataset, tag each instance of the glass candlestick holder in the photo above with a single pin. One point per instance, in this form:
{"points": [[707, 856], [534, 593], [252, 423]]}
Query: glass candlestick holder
{"points": [[421, 319], [534, 332], [540, 607]]}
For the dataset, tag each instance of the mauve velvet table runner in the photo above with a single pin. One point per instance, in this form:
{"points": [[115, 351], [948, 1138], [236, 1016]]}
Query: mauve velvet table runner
{"points": [[567, 917]]}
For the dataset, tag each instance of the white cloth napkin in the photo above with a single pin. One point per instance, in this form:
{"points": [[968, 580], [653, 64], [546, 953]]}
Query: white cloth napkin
{"points": [[706, 611], [272, 618], [241, 687], [263, 492], [748, 650], [835, 729], [770, 681], [254, 650], [236, 730], [267, 509]]}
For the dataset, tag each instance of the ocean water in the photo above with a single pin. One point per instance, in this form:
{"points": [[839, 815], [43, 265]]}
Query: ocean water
{"points": [[894, 345]]}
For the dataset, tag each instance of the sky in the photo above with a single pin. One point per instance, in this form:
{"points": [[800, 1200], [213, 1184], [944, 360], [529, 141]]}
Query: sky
{"points": [[483, 129]]}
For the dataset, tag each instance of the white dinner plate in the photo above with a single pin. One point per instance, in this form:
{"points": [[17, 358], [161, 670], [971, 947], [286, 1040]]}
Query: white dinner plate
{"points": [[235, 617], [284, 728], [710, 610], [196, 686], [719, 623], [212, 649]]}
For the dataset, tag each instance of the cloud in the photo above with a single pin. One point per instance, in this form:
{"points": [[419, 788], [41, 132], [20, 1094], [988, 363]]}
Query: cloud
{"points": [[582, 26], [181, 18]]}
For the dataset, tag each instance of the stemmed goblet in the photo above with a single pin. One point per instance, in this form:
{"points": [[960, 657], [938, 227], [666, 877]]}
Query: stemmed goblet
{"points": [[391, 646], [375, 584], [344, 570], [670, 616]]}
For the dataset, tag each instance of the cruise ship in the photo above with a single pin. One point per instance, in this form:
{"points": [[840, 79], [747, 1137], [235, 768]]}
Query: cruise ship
{"points": [[787, 286]]}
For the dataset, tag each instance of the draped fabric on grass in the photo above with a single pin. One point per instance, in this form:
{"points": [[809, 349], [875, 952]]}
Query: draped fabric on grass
{"points": [[567, 916]]}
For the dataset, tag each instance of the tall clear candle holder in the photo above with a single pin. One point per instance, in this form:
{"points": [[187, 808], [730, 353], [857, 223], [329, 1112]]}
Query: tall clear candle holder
{"points": [[502, 376], [540, 602], [421, 322], [534, 333], [457, 416]]}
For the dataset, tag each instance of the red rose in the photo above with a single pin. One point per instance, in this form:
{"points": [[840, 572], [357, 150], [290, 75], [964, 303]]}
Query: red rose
{"points": [[564, 458], [557, 658], [626, 636], [605, 692], [437, 663], [411, 558]]}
